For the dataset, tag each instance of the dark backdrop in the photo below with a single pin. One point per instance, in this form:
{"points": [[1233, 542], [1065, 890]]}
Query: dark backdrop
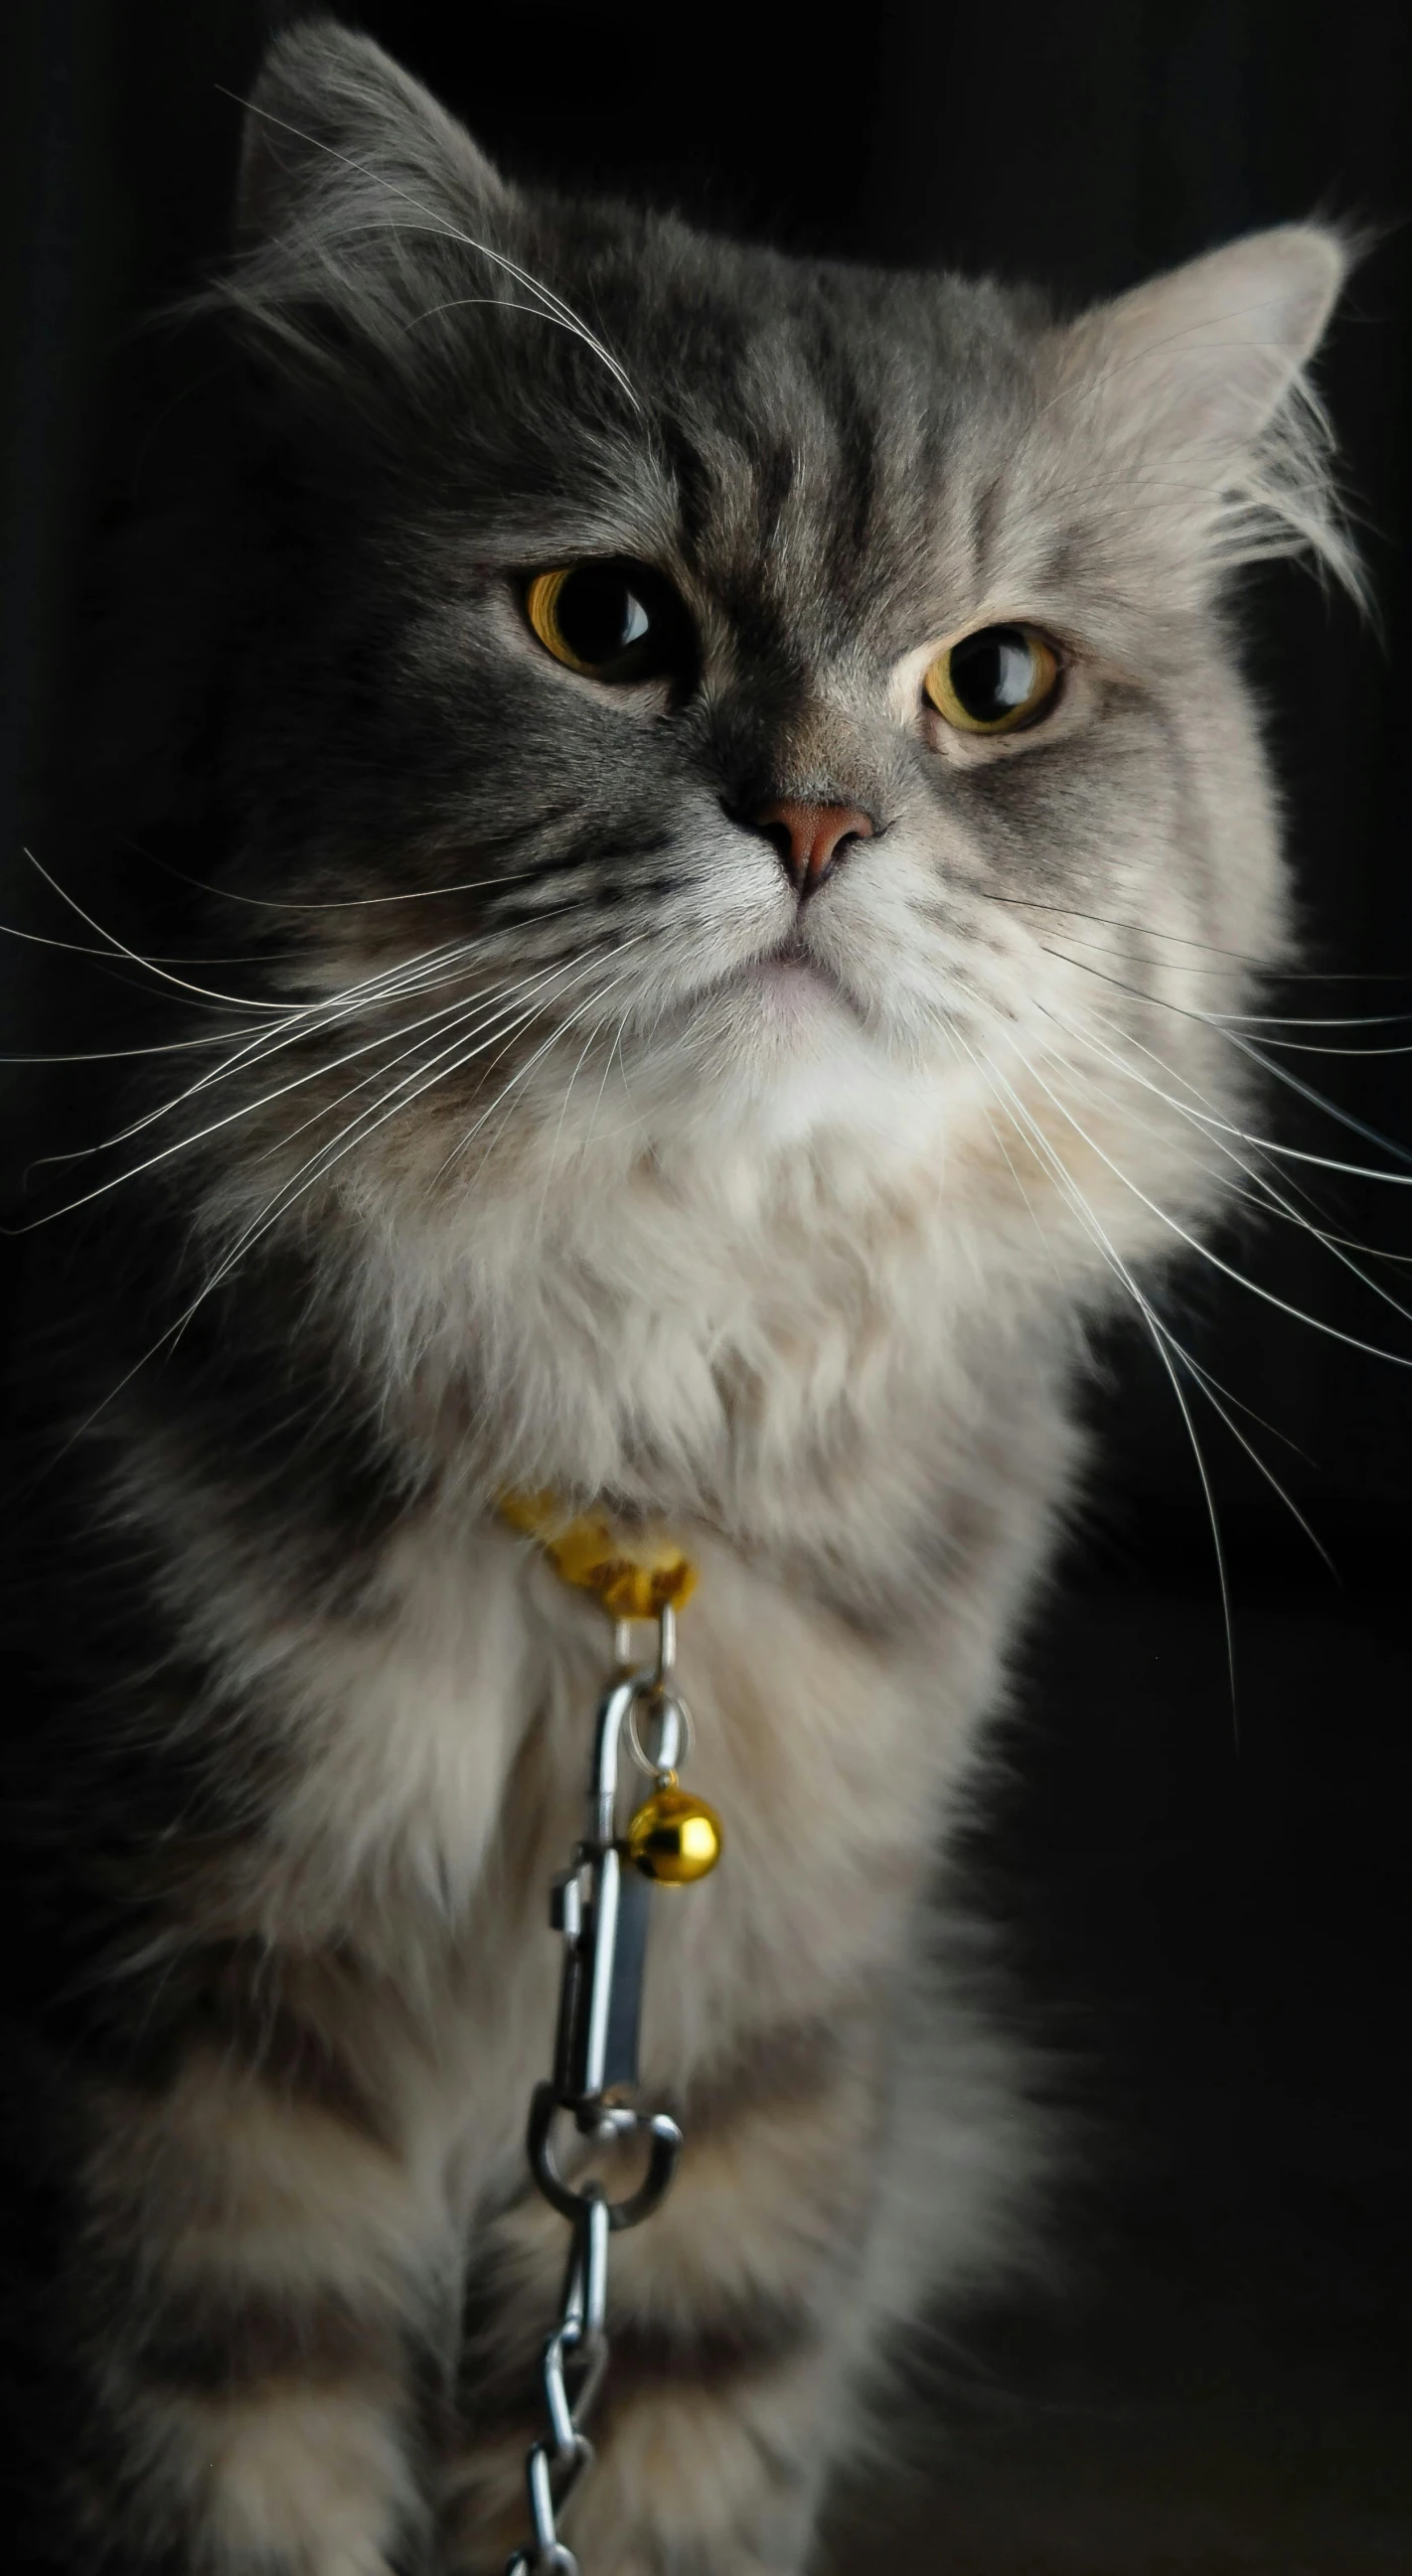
{"points": [[1208, 1916]]}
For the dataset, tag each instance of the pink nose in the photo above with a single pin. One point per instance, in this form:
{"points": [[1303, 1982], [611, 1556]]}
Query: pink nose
{"points": [[811, 838]]}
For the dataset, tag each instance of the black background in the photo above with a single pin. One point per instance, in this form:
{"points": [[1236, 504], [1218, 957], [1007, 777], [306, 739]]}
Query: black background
{"points": [[1207, 1906]]}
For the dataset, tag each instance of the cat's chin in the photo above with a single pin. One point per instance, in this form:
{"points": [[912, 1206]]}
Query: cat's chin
{"points": [[769, 1015], [780, 1017], [775, 1052], [792, 991]]}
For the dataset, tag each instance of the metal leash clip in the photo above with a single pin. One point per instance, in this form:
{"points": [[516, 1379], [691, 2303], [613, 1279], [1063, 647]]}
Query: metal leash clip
{"points": [[600, 1907]]}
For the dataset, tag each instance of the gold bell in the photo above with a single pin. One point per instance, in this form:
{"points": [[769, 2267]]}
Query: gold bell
{"points": [[674, 1838]]}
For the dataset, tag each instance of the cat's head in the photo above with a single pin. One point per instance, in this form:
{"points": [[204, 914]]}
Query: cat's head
{"points": [[725, 698]]}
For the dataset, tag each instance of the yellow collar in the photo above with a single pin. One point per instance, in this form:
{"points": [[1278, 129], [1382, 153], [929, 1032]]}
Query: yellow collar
{"points": [[635, 1577]]}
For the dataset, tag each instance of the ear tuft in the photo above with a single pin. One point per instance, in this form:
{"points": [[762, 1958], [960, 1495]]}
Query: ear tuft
{"points": [[330, 110], [368, 225]]}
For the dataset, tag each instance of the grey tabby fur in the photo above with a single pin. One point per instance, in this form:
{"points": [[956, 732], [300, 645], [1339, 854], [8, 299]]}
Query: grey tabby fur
{"points": [[528, 1159]]}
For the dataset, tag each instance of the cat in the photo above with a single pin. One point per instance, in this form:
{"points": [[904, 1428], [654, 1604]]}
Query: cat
{"points": [[717, 812]]}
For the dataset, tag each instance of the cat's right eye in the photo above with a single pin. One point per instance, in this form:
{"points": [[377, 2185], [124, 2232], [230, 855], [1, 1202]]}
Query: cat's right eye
{"points": [[995, 680], [615, 621]]}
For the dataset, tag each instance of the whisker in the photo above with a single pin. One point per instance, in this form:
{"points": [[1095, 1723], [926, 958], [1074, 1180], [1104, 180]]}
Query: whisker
{"points": [[502, 996], [276, 1207], [270, 1215], [318, 1167], [44, 939], [614, 1052], [578, 969], [361, 902], [1307, 1020], [1210, 1386], [315, 1018], [1213, 1120], [248, 1109], [119, 948], [526, 1068], [1374, 1350], [563, 1114], [410, 976], [1275, 1200], [467, 304], [1180, 939], [1104, 1093], [633, 1123], [1267, 1201], [955, 1039], [1306, 1091], [1269, 1144], [1266, 1206], [122, 1055], [1160, 1336]]}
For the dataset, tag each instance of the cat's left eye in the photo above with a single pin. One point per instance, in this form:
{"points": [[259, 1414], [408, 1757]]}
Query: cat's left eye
{"points": [[610, 621], [996, 680]]}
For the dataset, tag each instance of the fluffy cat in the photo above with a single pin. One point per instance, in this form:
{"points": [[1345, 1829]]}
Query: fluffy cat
{"points": [[686, 1036]]}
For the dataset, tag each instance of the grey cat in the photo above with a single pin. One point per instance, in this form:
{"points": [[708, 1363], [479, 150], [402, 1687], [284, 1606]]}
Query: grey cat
{"points": [[722, 807]]}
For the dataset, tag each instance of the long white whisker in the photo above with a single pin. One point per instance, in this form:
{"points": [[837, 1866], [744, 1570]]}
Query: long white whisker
{"points": [[1163, 1336], [1247, 1046], [563, 1114], [1264, 1180], [1207, 1377], [118, 948], [430, 968], [1209, 1381], [1275, 1202], [1159, 1335], [1305, 1047], [473, 1012], [1210, 1385], [1267, 1295], [1004, 1151], [316, 1167], [1208, 947], [633, 1123], [1306, 1091], [122, 1055], [319, 1165], [615, 1054], [259, 1049], [1271, 1144], [467, 304], [315, 1019], [339, 903], [44, 939], [1242, 1020], [528, 1066], [462, 1009]]}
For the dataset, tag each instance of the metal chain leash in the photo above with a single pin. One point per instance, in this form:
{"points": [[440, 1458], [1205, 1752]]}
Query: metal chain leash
{"points": [[599, 1904]]}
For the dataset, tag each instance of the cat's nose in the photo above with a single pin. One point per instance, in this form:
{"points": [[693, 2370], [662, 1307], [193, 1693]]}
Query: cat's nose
{"points": [[811, 838]]}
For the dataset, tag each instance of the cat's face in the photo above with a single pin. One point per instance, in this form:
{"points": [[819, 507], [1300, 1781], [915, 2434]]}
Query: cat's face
{"points": [[806, 688]]}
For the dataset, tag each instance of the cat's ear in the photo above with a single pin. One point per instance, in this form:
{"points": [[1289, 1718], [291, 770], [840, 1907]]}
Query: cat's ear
{"points": [[1188, 405], [368, 225], [1202, 358], [339, 139]]}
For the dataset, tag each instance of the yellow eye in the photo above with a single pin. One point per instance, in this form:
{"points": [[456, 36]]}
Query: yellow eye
{"points": [[994, 681], [611, 621]]}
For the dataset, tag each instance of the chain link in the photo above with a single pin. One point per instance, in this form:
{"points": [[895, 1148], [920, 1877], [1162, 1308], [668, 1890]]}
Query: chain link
{"points": [[601, 1911]]}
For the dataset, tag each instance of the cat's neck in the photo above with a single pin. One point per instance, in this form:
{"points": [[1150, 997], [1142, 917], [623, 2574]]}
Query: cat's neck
{"points": [[760, 1345]]}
